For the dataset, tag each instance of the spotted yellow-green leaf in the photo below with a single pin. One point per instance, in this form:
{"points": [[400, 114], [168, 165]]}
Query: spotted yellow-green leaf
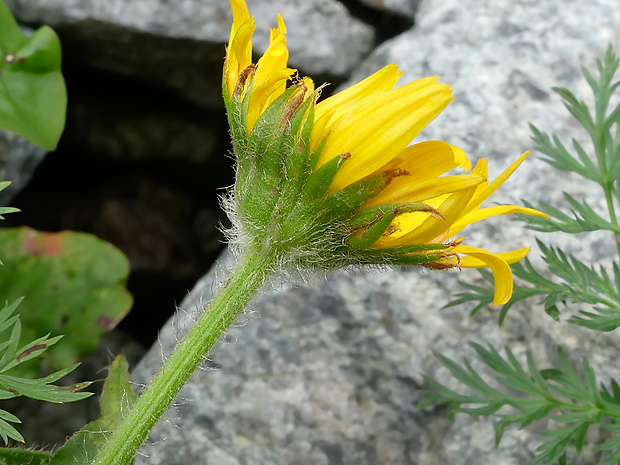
{"points": [[74, 285]]}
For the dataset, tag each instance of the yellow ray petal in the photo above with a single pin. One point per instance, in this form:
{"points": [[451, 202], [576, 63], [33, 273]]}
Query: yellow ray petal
{"points": [[430, 159], [240, 16], [343, 117], [384, 79], [493, 186], [275, 57], [499, 267], [377, 133], [401, 190], [417, 228], [263, 95], [461, 158], [481, 168], [370, 113], [407, 222], [509, 257], [319, 130], [309, 83], [238, 54], [240, 13], [484, 213]]}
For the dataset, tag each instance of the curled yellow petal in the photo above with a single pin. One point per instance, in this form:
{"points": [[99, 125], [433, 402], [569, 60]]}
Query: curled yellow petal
{"points": [[265, 93], [499, 267], [238, 54], [275, 57], [239, 49], [240, 14]]}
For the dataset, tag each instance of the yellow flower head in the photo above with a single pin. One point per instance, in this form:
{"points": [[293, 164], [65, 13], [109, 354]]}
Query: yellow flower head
{"points": [[336, 182]]}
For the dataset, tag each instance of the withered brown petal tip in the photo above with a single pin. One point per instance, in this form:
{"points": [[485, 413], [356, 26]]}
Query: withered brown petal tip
{"points": [[435, 213], [454, 243], [294, 103], [393, 173], [243, 77], [391, 229], [440, 265]]}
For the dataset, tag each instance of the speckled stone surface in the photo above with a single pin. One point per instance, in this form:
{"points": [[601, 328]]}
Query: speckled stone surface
{"points": [[180, 43], [18, 160], [329, 374]]}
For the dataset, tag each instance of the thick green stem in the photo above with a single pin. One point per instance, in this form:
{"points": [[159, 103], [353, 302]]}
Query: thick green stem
{"points": [[232, 297]]}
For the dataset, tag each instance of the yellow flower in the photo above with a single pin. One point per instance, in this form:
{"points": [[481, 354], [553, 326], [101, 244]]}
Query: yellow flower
{"points": [[366, 129]]}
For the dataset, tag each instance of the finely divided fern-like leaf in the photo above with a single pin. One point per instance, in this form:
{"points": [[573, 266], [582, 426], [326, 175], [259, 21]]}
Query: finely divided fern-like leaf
{"points": [[583, 218], [571, 400], [556, 154], [6, 429], [14, 386]]}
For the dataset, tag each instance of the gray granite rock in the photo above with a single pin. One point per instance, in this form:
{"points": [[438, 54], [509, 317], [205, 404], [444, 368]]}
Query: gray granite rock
{"points": [[18, 160], [330, 374], [180, 43]]}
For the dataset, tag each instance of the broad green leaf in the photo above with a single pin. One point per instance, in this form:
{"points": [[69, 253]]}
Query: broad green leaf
{"points": [[117, 398], [74, 283], [33, 97], [11, 456]]}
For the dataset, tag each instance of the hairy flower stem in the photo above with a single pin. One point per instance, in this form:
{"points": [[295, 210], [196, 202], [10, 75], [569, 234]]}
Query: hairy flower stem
{"points": [[234, 294]]}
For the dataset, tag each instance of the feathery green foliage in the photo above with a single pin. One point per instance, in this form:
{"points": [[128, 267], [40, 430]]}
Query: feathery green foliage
{"points": [[571, 401], [11, 355]]}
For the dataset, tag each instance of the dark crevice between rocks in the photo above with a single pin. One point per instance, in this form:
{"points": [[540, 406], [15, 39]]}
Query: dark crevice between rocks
{"points": [[193, 68], [387, 24], [142, 168]]}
